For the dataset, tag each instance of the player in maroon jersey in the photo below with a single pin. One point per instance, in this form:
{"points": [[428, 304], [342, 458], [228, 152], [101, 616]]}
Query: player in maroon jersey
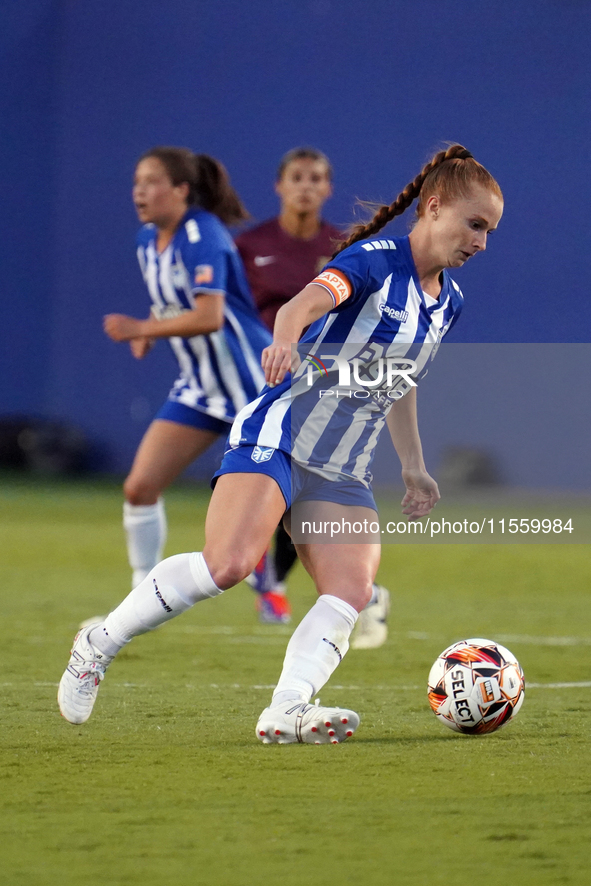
{"points": [[281, 256], [284, 253]]}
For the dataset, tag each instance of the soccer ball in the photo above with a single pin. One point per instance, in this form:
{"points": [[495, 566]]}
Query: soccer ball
{"points": [[476, 686]]}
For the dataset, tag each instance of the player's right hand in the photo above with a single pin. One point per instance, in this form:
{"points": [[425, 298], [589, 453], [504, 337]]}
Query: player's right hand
{"points": [[276, 362], [422, 493]]}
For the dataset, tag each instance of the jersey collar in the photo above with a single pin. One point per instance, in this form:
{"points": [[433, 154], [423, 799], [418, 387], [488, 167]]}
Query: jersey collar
{"points": [[443, 295]]}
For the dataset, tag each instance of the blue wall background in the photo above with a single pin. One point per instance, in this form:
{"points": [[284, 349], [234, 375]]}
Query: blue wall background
{"points": [[378, 85]]}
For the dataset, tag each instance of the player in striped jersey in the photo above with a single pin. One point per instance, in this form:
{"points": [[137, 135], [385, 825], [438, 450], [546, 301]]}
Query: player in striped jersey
{"points": [[280, 257], [202, 304], [377, 298], [414, 304]]}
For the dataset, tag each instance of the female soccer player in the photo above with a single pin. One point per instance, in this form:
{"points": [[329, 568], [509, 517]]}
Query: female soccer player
{"points": [[374, 292], [280, 257], [202, 304]]}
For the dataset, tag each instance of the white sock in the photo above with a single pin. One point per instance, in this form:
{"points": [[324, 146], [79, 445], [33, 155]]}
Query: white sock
{"points": [[145, 530], [316, 648], [172, 587]]}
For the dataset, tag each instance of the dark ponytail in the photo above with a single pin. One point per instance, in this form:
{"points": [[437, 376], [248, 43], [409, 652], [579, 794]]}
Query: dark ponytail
{"points": [[209, 183], [450, 174], [215, 193]]}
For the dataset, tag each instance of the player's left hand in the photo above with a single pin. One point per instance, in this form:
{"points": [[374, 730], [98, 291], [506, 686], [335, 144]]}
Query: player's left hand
{"points": [[119, 327], [422, 493], [141, 346]]}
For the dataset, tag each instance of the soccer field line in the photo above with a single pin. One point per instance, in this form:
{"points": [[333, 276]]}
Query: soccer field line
{"points": [[584, 684], [272, 635], [527, 639]]}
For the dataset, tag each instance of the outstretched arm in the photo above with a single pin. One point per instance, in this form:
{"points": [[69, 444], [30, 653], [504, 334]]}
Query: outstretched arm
{"points": [[292, 318], [422, 493], [207, 316]]}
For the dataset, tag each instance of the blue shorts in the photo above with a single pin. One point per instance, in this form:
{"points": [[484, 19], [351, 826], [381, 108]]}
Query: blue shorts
{"points": [[186, 415], [295, 482]]}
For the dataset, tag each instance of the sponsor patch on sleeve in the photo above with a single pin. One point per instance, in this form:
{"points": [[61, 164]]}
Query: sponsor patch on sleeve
{"points": [[203, 275], [336, 283]]}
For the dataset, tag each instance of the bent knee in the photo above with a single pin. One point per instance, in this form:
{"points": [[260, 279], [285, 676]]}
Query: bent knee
{"points": [[140, 492], [364, 596], [356, 594], [230, 570]]}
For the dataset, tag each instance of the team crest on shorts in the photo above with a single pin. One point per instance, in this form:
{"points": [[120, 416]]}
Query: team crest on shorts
{"points": [[262, 453]]}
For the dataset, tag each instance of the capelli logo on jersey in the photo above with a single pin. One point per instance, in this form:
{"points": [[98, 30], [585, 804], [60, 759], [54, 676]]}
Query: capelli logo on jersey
{"points": [[394, 313]]}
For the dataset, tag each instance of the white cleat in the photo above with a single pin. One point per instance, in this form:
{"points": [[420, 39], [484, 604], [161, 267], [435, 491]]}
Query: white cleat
{"points": [[298, 721], [80, 683], [371, 629]]}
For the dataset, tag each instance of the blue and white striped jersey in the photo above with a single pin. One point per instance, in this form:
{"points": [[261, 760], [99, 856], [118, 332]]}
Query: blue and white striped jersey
{"points": [[380, 314], [220, 372]]}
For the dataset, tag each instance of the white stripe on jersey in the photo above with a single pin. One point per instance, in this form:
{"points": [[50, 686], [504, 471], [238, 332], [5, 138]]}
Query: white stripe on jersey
{"points": [[319, 339], [272, 428], [342, 453], [251, 359], [236, 432], [437, 316], [142, 261], [151, 276], [369, 315], [332, 442], [314, 426], [185, 362], [164, 278], [216, 400], [408, 329], [220, 371], [227, 369], [311, 430], [185, 280], [361, 467]]}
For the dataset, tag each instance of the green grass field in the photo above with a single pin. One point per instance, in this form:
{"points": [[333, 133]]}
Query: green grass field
{"points": [[166, 784]]}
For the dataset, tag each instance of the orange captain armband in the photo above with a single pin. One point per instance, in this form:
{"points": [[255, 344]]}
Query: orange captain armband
{"points": [[336, 283]]}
